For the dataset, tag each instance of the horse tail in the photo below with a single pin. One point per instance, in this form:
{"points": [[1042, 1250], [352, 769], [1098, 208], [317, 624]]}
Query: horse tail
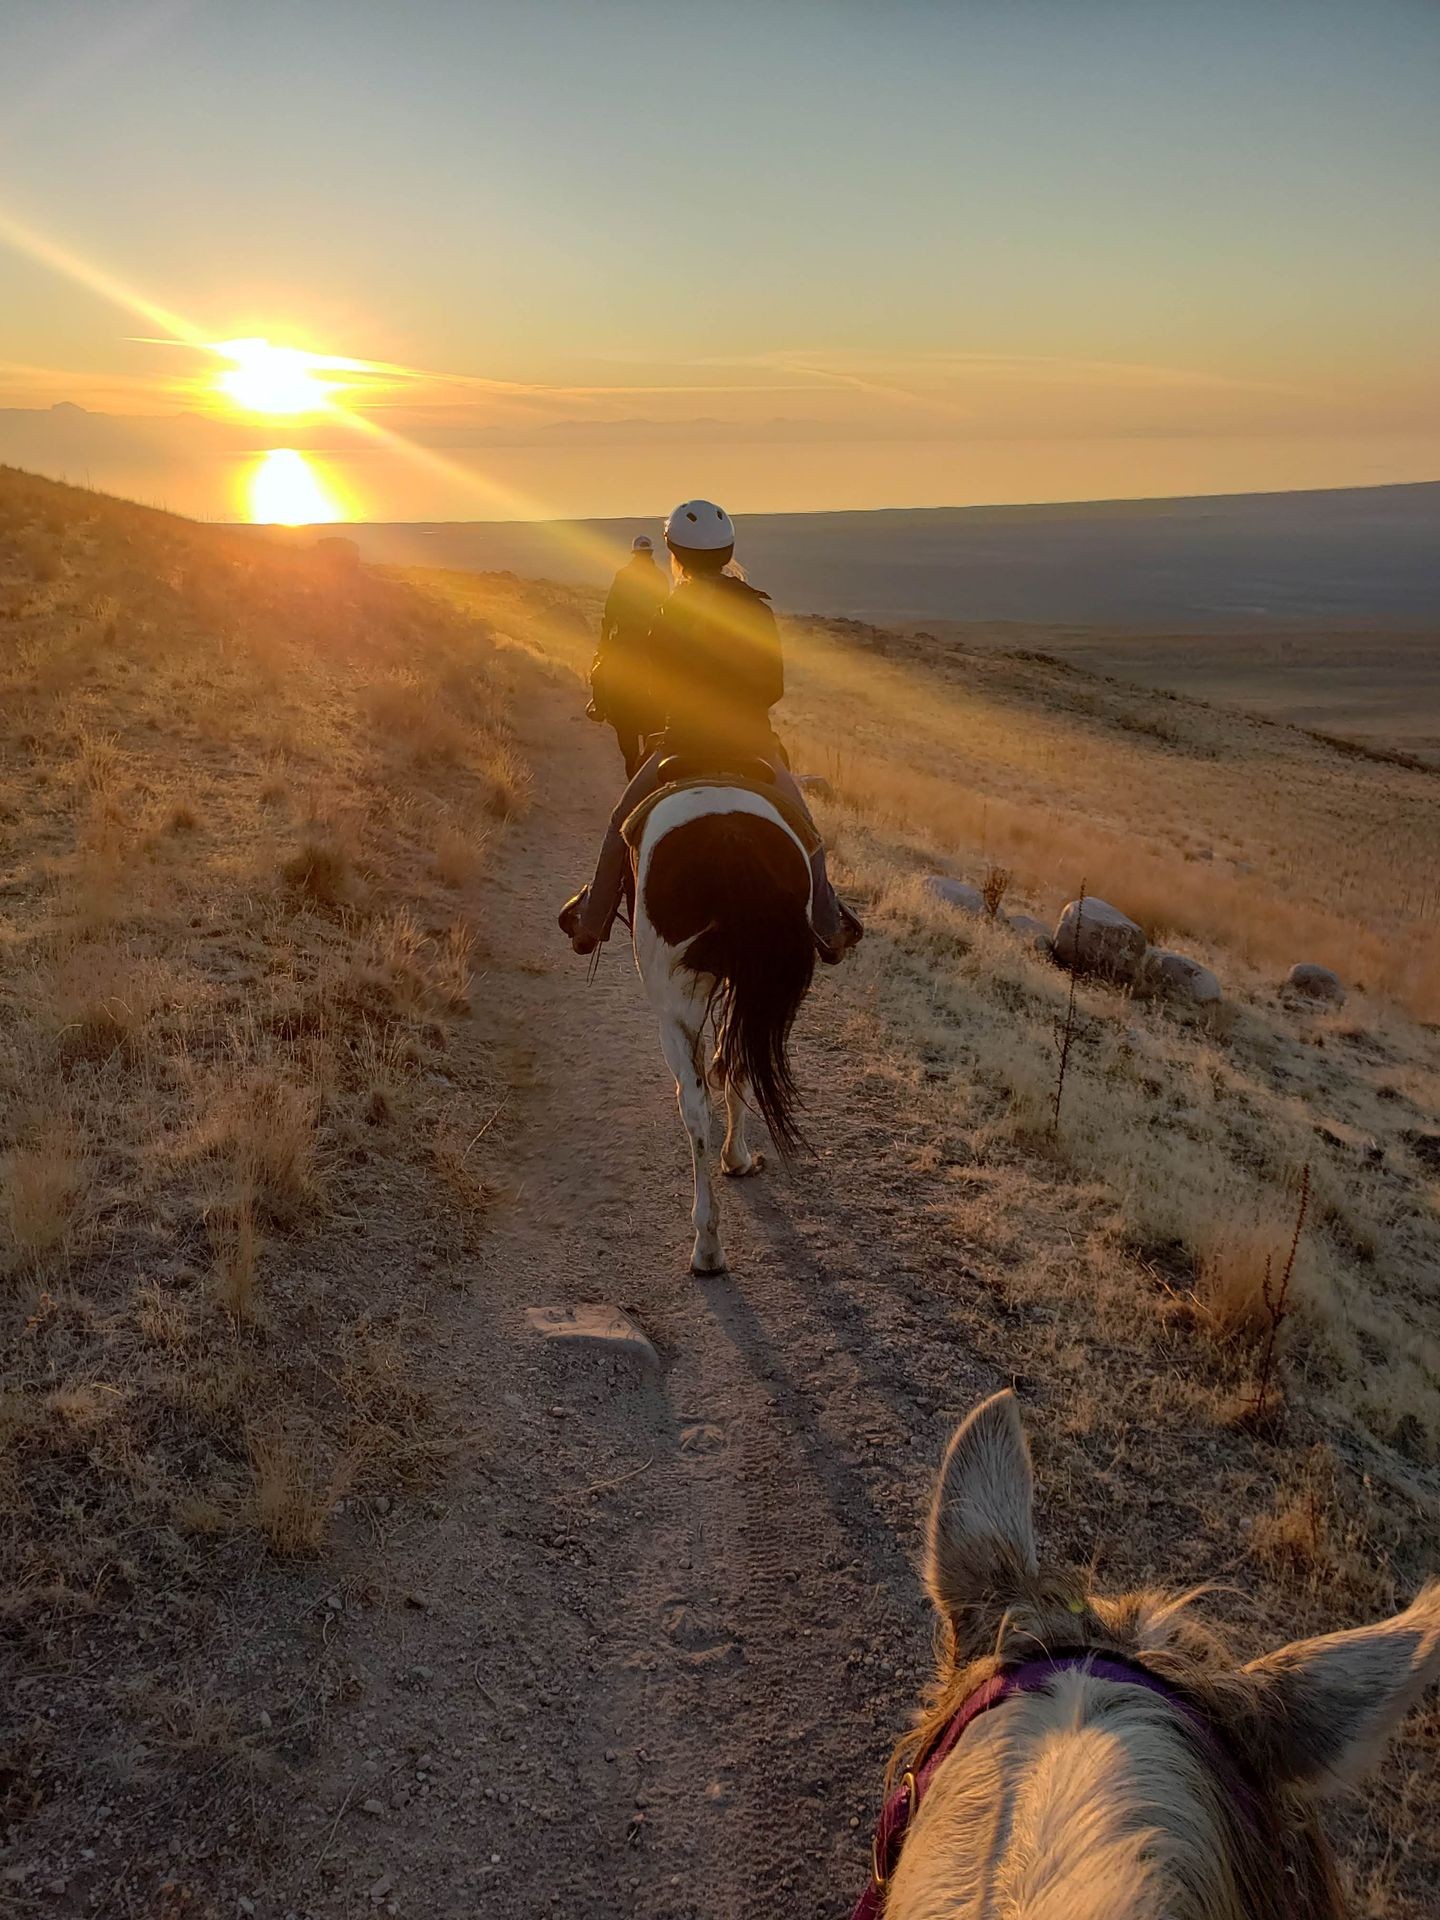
{"points": [[733, 891]]}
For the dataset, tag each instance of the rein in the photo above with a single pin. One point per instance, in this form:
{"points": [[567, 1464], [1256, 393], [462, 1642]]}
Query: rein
{"points": [[1030, 1676]]}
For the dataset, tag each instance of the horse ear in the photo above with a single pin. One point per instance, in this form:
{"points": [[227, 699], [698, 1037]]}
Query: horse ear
{"points": [[981, 1549], [1329, 1705]]}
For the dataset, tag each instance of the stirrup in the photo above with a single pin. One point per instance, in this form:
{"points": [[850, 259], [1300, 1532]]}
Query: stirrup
{"points": [[572, 924], [849, 934]]}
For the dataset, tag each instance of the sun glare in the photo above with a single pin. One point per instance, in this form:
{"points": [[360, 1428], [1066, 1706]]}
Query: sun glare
{"points": [[285, 489], [267, 379]]}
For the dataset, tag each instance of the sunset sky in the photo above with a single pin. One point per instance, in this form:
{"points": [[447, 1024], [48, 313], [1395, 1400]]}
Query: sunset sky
{"points": [[594, 258]]}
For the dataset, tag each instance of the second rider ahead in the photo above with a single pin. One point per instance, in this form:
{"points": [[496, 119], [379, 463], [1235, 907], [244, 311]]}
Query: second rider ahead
{"points": [[715, 669]]}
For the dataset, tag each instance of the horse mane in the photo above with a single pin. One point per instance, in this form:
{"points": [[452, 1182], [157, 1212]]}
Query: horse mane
{"points": [[1276, 1857]]}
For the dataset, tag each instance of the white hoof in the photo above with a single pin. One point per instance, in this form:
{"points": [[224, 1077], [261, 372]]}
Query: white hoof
{"points": [[707, 1259], [744, 1168]]}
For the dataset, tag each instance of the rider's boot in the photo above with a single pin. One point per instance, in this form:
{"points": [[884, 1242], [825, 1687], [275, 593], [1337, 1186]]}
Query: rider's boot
{"points": [[588, 917], [835, 927]]}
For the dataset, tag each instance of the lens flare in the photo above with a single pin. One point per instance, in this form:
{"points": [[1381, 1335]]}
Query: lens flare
{"points": [[285, 489]]}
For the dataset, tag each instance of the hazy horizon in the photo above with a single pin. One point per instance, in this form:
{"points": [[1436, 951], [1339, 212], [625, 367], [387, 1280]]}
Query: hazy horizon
{"points": [[561, 262]]}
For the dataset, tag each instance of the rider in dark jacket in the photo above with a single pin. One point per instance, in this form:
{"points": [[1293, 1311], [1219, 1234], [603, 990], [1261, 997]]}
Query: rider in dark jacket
{"points": [[620, 679], [716, 669]]}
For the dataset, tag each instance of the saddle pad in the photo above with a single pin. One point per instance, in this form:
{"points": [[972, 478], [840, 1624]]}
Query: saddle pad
{"points": [[802, 828]]}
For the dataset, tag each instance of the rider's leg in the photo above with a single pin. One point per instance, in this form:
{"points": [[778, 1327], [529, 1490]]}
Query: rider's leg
{"points": [[589, 916], [836, 928]]}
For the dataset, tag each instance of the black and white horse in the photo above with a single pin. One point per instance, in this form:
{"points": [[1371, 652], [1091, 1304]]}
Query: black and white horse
{"points": [[722, 930]]}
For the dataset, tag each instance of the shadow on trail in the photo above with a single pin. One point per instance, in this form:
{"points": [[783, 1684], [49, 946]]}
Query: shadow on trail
{"points": [[870, 1531]]}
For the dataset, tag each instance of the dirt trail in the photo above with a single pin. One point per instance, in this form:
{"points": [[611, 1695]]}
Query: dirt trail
{"points": [[644, 1651]]}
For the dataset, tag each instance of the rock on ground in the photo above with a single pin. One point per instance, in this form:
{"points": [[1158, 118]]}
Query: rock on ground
{"points": [[609, 1328], [955, 893], [1316, 983], [1178, 977], [1033, 932], [1102, 940]]}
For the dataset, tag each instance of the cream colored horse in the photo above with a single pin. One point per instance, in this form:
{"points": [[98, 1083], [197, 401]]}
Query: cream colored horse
{"points": [[1137, 1772]]}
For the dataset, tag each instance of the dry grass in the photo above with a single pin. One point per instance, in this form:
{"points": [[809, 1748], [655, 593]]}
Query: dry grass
{"points": [[1330, 857], [46, 1182], [228, 965], [1117, 1264]]}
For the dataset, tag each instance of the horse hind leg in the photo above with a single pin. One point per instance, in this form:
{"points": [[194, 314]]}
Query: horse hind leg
{"points": [[680, 1029], [736, 1158]]}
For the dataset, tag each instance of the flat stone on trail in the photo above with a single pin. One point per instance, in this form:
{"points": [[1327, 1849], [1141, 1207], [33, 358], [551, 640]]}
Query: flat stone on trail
{"points": [[609, 1328]]}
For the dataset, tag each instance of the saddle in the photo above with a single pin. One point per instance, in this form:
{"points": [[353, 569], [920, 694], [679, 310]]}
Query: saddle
{"points": [[750, 773]]}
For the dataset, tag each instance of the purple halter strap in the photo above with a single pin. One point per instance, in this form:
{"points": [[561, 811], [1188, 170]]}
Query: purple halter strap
{"points": [[1030, 1677]]}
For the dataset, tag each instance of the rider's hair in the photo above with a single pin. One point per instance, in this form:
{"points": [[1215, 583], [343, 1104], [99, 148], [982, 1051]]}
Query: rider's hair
{"points": [[696, 566]]}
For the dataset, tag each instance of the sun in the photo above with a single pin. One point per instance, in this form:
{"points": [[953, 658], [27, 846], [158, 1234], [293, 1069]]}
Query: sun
{"points": [[263, 378]]}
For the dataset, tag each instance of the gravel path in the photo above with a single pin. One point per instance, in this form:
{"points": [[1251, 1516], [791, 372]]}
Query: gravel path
{"points": [[645, 1650]]}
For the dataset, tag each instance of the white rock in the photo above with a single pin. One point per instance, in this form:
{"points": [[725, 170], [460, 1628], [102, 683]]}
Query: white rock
{"points": [[1033, 932], [1316, 983], [955, 893], [1179, 977], [1101, 940], [815, 783], [609, 1328]]}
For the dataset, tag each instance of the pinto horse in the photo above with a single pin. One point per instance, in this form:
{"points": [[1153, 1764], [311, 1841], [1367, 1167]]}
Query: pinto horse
{"points": [[1086, 1758], [722, 931]]}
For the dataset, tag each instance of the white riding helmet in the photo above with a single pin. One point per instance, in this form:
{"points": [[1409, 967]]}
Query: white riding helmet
{"points": [[642, 543], [699, 526]]}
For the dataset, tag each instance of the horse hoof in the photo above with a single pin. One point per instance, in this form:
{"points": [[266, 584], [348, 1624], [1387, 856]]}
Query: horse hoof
{"points": [[755, 1164], [705, 1267]]}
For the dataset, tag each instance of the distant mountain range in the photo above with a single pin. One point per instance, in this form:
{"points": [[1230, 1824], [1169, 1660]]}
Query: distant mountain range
{"points": [[1354, 557]]}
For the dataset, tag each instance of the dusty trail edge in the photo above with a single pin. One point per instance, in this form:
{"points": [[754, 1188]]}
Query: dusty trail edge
{"points": [[643, 1647]]}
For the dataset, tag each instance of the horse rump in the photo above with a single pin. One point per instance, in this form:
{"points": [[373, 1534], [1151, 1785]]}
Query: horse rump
{"points": [[733, 891]]}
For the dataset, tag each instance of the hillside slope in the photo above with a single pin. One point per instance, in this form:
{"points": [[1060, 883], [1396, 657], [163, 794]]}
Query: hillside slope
{"points": [[245, 800], [329, 1588]]}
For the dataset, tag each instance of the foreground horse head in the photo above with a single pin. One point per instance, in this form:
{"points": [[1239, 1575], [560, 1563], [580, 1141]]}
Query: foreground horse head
{"points": [[722, 927], [1091, 1759]]}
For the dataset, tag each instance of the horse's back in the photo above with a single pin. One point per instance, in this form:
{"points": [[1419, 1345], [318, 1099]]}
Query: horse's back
{"points": [[712, 855]]}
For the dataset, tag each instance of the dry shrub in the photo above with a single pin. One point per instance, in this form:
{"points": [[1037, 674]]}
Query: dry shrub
{"points": [[161, 1317], [294, 1486], [273, 1141], [46, 1184], [1231, 1279], [993, 886], [414, 713], [100, 999], [508, 781], [452, 969], [233, 1237], [321, 869], [459, 851]]}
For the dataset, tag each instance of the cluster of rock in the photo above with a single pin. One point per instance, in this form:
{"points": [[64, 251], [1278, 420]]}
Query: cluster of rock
{"points": [[1094, 938]]}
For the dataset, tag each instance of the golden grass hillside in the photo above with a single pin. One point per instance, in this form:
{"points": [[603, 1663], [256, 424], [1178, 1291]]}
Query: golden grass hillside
{"points": [[1253, 844], [246, 793]]}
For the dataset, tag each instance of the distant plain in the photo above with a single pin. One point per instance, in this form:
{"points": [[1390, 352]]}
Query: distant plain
{"points": [[1321, 609]]}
